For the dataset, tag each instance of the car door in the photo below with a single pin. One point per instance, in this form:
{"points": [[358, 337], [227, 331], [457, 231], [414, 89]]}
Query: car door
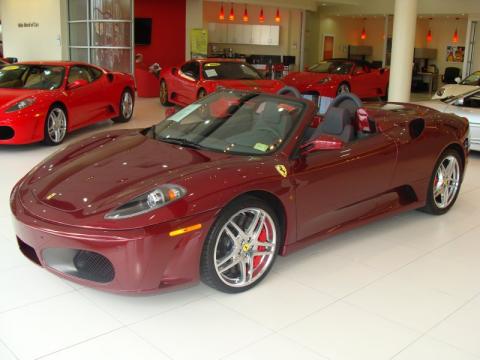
{"points": [[87, 102], [187, 78], [364, 81], [335, 187]]}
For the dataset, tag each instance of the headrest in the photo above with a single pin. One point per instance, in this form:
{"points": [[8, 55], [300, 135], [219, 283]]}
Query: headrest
{"points": [[270, 113], [335, 120]]}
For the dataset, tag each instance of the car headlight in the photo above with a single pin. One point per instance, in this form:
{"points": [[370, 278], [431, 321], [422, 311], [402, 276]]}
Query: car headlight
{"points": [[154, 199], [441, 91], [21, 105], [324, 80]]}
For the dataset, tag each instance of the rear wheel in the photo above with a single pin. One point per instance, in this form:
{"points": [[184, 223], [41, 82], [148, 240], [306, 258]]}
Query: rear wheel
{"points": [[445, 183], [164, 94], [55, 128], [201, 94], [126, 107], [343, 88], [241, 247]]}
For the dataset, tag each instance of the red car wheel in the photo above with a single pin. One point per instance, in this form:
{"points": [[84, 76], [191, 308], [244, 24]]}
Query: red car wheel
{"points": [[126, 106], [241, 247], [343, 88], [164, 94], [55, 126]]}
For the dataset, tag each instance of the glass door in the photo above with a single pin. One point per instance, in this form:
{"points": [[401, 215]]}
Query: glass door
{"points": [[101, 33]]}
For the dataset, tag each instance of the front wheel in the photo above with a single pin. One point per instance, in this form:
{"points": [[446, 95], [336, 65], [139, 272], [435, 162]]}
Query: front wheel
{"points": [[201, 94], [343, 88], [55, 128], [444, 184], [125, 108], [241, 247], [164, 94]]}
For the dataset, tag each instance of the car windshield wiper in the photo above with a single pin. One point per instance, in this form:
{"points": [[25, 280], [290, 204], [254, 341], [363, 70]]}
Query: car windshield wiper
{"points": [[181, 142]]}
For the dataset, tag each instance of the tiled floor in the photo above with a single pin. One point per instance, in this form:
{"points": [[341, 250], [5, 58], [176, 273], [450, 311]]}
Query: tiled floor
{"points": [[405, 288]]}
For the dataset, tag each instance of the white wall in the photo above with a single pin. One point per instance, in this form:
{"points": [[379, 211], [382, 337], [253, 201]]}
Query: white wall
{"points": [[193, 20], [32, 43]]}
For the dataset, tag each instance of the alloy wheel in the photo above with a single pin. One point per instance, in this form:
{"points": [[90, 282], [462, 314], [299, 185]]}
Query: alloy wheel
{"points": [[127, 105], [446, 182], [57, 125]]}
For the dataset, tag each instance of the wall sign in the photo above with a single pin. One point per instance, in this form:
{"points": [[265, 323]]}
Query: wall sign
{"points": [[28, 25]]}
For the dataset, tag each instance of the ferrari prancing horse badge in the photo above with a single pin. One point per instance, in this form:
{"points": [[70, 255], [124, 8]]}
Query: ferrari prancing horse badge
{"points": [[282, 170]]}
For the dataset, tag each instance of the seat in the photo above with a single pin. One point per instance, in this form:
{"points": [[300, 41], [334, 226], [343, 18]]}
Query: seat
{"points": [[271, 119], [451, 73], [337, 122]]}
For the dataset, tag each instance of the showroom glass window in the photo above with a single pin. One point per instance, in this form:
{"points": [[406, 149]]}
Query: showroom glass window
{"points": [[101, 33]]}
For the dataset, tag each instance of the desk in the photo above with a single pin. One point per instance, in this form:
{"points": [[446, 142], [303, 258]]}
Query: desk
{"points": [[431, 79]]}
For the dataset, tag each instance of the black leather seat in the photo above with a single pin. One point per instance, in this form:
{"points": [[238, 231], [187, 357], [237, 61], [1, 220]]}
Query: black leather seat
{"points": [[450, 74], [337, 122]]}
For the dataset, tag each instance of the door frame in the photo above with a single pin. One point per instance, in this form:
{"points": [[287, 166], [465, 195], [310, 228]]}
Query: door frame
{"points": [[325, 35]]}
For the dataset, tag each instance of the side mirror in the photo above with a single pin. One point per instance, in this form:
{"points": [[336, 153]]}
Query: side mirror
{"points": [[458, 80], [76, 84], [323, 142]]}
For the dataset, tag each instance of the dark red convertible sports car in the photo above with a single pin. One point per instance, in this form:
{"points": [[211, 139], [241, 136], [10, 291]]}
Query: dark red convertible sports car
{"points": [[197, 78], [217, 190], [43, 101], [333, 77]]}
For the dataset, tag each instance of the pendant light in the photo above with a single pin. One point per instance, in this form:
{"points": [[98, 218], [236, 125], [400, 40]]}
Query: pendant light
{"points": [[277, 16], [261, 18], [455, 34], [245, 14], [429, 33], [221, 14], [363, 35], [231, 16]]}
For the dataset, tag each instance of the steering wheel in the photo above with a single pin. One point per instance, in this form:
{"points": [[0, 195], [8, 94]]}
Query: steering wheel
{"points": [[289, 90]]}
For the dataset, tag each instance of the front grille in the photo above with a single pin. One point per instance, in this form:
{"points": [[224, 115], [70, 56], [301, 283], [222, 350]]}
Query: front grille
{"points": [[83, 264], [6, 133], [28, 251], [93, 266]]}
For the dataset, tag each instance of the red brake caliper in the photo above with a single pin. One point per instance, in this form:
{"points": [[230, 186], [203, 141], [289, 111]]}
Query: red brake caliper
{"points": [[261, 238]]}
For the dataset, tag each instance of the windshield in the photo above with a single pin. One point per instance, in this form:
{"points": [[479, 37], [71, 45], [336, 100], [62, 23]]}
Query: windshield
{"points": [[229, 71], [232, 122], [473, 79], [41, 77], [332, 67]]}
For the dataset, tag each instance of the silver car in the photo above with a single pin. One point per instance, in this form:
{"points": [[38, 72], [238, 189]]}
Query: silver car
{"points": [[466, 105]]}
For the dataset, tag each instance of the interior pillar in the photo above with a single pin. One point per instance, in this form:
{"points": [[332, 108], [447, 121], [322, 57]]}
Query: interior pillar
{"points": [[403, 44]]}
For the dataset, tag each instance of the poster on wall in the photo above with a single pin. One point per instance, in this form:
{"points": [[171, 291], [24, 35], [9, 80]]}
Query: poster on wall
{"points": [[198, 43], [455, 53]]}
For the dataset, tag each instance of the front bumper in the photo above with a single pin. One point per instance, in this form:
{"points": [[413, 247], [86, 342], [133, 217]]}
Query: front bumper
{"points": [[131, 261], [21, 128]]}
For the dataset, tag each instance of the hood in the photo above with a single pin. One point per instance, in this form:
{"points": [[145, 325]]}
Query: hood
{"points": [[9, 97], [81, 183], [271, 86], [453, 90]]}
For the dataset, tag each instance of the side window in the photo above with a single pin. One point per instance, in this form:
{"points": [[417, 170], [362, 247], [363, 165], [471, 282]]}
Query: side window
{"points": [[191, 69], [95, 73], [79, 73], [472, 101]]}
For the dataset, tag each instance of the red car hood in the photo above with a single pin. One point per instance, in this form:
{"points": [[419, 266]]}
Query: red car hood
{"points": [[269, 86], [305, 78], [9, 97], [80, 184]]}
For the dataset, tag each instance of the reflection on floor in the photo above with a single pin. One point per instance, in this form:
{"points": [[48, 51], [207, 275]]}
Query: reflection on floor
{"points": [[403, 288]]}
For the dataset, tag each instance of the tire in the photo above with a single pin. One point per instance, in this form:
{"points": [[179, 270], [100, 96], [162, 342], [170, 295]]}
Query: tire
{"points": [[164, 94], [343, 88], [126, 107], [228, 252], [55, 128], [201, 94], [439, 200]]}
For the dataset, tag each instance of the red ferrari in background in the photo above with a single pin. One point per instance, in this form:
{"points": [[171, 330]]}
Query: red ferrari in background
{"points": [[197, 78], [333, 77], [218, 189], [43, 101]]}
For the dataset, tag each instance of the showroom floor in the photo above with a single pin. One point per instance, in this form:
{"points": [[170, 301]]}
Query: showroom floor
{"points": [[403, 288]]}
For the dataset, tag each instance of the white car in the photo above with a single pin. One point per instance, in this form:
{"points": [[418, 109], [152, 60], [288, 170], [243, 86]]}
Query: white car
{"points": [[466, 105], [464, 86]]}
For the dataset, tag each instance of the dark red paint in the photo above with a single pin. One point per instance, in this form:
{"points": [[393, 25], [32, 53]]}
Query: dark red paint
{"points": [[324, 193]]}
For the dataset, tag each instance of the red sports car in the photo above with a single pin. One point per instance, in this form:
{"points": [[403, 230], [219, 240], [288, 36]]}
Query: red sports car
{"points": [[333, 77], [220, 188], [43, 101], [197, 78]]}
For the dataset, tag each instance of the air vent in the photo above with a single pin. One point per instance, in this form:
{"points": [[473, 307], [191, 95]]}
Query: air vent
{"points": [[416, 127]]}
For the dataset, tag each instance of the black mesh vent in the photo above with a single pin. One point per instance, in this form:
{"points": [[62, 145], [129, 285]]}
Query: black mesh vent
{"points": [[28, 251], [93, 266], [6, 133]]}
